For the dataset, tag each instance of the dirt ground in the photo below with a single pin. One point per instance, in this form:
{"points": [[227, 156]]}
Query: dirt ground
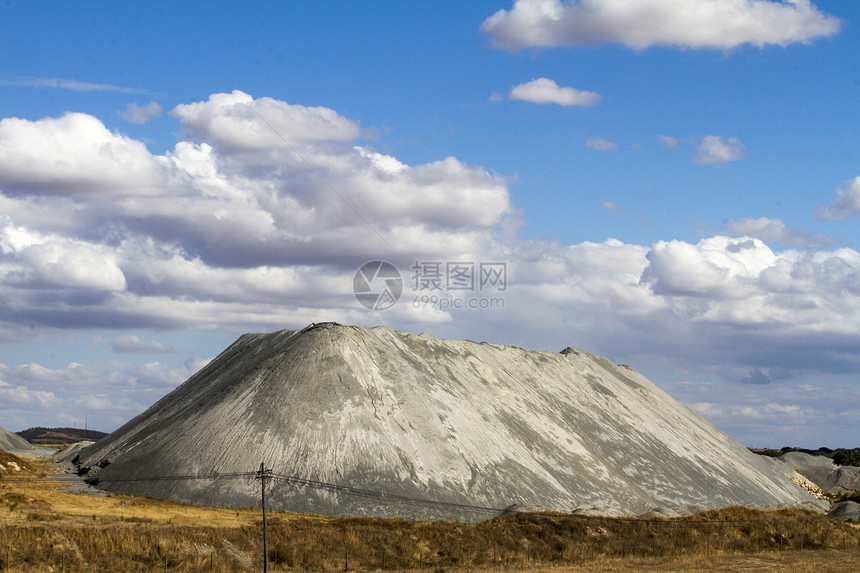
{"points": [[807, 561]]}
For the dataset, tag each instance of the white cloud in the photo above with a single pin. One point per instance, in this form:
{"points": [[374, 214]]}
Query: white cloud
{"points": [[545, 90], [33, 394], [31, 260], [697, 24], [225, 232], [134, 113], [71, 155], [774, 230], [132, 343], [233, 240], [844, 206], [236, 238], [73, 85], [743, 283], [667, 141], [718, 267], [335, 202], [601, 144], [713, 150], [21, 396], [239, 121]]}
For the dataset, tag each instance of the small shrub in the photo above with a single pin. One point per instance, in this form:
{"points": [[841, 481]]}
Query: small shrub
{"points": [[34, 516], [280, 556]]}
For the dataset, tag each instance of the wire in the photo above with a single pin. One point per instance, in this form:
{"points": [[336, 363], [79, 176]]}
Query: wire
{"points": [[97, 479], [385, 497]]}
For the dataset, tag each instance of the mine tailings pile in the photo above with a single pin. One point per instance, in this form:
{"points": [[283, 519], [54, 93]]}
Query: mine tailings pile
{"points": [[355, 421]]}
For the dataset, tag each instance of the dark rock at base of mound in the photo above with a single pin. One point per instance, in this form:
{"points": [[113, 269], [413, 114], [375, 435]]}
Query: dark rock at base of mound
{"points": [[357, 421]]}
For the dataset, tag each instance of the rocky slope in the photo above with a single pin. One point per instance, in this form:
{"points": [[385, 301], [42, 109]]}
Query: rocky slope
{"points": [[823, 472], [387, 423], [13, 442]]}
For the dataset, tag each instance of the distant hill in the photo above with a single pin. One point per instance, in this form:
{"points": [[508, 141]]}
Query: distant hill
{"points": [[60, 435]]}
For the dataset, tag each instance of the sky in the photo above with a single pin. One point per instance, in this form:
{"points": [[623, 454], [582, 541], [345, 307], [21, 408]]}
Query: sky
{"points": [[673, 184]]}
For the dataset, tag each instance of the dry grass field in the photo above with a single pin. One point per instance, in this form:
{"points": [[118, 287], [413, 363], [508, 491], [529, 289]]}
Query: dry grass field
{"points": [[43, 528]]}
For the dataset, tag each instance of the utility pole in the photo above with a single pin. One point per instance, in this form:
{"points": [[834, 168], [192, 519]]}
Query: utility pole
{"points": [[264, 475]]}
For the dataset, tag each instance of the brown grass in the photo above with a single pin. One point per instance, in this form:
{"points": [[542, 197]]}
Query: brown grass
{"points": [[42, 526], [6, 457]]}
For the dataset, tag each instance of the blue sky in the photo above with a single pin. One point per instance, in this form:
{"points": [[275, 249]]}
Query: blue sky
{"points": [[671, 184]]}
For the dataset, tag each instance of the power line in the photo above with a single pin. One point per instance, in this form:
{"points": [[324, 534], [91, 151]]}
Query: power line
{"points": [[95, 480], [385, 497], [98, 479]]}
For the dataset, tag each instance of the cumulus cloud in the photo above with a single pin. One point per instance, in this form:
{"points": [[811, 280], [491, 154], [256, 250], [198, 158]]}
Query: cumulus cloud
{"points": [[601, 144], [741, 281], [134, 113], [237, 234], [247, 199], [844, 206], [774, 230], [545, 90], [717, 267], [713, 150], [240, 226], [696, 24], [132, 343], [72, 155], [238, 120], [22, 395], [31, 260], [239, 240]]}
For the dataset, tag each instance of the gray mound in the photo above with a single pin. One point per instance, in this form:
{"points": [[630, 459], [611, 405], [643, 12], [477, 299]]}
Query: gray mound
{"points": [[823, 472], [72, 451], [802, 461], [13, 443], [387, 423], [845, 510]]}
